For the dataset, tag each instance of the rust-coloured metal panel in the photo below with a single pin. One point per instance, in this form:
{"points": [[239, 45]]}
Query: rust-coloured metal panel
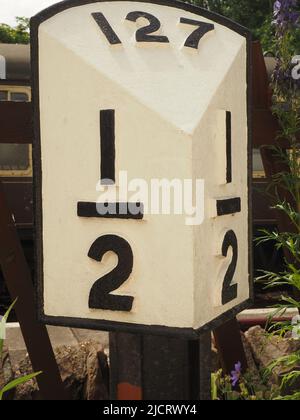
{"points": [[265, 127], [130, 392], [262, 95]]}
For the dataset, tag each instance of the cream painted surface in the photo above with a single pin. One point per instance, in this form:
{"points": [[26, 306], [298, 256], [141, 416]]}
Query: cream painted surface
{"points": [[152, 74], [157, 283], [210, 266], [167, 100]]}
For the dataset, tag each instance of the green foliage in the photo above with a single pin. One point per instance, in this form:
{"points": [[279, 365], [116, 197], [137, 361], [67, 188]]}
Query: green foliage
{"points": [[289, 242], [247, 389], [16, 35], [265, 34], [286, 107], [253, 14], [290, 365], [19, 381], [257, 15]]}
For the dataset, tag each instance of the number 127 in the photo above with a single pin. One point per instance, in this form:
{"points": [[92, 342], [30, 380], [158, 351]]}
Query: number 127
{"points": [[146, 33]]}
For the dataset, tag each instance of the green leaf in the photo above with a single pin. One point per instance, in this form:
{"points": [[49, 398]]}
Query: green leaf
{"points": [[214, 386], [19, 381], [3, 322]]}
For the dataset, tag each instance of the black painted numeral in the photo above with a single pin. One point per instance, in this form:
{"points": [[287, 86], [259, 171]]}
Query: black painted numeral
{"points": [[144, 34], [107, 146], [100, 295], [107, 30], [228, 147], [195, 37], [229, 291]]}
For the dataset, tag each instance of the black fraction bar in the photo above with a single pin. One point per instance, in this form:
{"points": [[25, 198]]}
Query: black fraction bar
{"points": [[228, 206], [108, 152], [111, 210], [228, 148]]}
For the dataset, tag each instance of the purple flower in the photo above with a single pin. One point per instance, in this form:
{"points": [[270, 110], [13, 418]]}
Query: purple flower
{"points": [[285, 15], [236, 374], [282, 76]]}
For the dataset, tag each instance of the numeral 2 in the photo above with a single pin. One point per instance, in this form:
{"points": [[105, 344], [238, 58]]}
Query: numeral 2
{"points": [[100, 294], [229, 291], [143, 34]]}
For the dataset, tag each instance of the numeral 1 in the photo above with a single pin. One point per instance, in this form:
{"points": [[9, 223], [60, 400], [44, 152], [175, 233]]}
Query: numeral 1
{"points": [[228, 148], [107, 30], [107, 146]]}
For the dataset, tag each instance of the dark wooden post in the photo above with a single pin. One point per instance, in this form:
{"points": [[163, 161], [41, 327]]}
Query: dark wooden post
{"points": [[16, 127], [230, 346], [19, 283], [159, 368]]}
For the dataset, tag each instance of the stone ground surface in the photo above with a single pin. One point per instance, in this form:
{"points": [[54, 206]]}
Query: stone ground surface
{"points": [[81, 356], [59, 336]]}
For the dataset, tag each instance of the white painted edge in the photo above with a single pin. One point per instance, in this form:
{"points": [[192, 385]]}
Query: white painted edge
{"points": [[254, 314], [2, 67], [12, 325]]}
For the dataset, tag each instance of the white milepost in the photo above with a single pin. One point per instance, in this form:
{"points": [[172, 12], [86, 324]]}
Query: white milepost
{"points": [[157, 91]]}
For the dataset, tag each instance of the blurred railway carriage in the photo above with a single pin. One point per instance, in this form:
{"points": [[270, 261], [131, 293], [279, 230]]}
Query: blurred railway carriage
{"points": [[16, 159], [16, 166]]}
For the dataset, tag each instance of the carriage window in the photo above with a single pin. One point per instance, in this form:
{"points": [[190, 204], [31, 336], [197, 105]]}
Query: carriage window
{"points": [[258, 167], [19, 97], [3, 95], [14, 157]]}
